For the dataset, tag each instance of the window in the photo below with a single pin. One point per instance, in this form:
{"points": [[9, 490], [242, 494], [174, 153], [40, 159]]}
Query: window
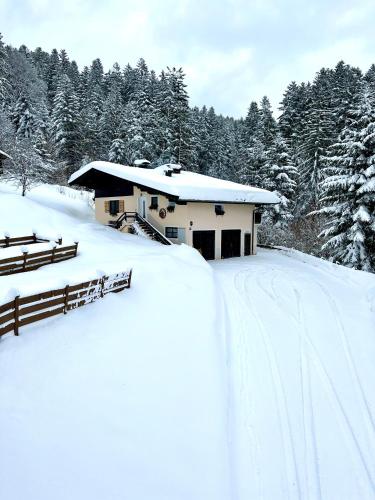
{"points": [[171, 232], [219, 210], [171, 206], [257, 218], [154, 203], [113, 207]]}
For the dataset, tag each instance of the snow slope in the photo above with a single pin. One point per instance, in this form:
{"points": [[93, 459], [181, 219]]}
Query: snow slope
{"points": [[242, 379], [301, 351], [120, 399]]}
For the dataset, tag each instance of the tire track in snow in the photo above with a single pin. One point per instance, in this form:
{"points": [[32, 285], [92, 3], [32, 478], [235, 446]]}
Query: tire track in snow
{"points": [[238, 369], [308, 420], [335, 399], [330, 389], [310, 441], [365, 407], [324, 375], [280, 396], [223, 324]]}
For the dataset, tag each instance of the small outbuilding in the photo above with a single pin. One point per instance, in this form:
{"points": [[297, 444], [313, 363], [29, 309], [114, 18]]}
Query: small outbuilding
{"points": [[3, 157], [217, 217]]}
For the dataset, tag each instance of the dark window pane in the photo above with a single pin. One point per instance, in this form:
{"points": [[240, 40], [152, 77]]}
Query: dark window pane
{"points": [[114, 207], [154, 202], [171, 232]]}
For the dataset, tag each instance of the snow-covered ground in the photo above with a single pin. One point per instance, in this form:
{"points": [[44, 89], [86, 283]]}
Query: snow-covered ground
{"points": [[301, 358], [242, 379]]}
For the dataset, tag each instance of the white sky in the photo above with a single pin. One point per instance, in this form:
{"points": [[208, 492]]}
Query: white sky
{"points": [[232, 51]]}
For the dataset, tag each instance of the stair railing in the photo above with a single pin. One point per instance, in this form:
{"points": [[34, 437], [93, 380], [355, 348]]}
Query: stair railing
{"points": [[135, 217]]}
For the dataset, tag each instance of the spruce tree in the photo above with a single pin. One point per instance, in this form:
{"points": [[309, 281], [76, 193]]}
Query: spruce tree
{"points": [[66, 125], [280, 177], [117, 151], [348, 189], [4, 72], [23, 118]]}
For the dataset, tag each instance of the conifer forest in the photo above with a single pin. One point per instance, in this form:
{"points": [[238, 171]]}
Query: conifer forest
{"points": [[318, 155]]}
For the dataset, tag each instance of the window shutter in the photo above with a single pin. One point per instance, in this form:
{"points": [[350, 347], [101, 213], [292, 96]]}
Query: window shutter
{"points": [[121, 206], [106, 206]]}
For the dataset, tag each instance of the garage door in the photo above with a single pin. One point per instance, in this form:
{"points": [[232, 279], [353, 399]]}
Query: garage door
{"points": [[230, 243], [204, 241]]}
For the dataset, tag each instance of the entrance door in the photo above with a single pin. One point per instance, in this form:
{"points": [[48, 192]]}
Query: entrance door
{"points": [[142, 206], [204, 241], [230, 243], [247, 244]]}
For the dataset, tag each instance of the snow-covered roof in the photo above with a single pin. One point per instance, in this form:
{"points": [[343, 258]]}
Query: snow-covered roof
{"points": [[4, 156], [142, 161], [187, 186]]}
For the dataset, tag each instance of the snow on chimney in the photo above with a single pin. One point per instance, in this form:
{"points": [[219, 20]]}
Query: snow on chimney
{"points": [[142, 163]]}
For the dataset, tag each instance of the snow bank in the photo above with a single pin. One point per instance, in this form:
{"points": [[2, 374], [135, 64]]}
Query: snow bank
{"points": [[121, 398]]}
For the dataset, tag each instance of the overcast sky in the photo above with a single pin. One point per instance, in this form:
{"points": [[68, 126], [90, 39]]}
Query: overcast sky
{"points": [[232, 51]]}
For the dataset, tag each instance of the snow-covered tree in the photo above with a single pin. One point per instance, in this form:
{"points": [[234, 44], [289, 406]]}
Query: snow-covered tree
{"points": [[4, 84], [348, 189], [26, 168], [65, 124], [280, 177], [117, 151], [23, 118]]}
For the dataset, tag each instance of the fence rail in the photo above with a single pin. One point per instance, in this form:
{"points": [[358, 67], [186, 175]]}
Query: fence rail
{"points": [[25, 310], [7, 241], [31, 261]]}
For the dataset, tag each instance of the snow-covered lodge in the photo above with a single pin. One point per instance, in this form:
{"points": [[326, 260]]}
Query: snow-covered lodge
{"points": [[217, 217]]}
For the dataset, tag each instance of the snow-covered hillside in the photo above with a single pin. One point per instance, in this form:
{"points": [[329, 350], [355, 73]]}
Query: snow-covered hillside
{"points": [[242, 379]]}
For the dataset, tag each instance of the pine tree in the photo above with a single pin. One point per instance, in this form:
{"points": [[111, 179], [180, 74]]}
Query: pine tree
{"points": [[348, 190], [23, 118], [117, 151], [177, 114], [53, 75], [65, 124], [267, 123], [317, 135], [4, 71], [280, 177], [111, 119], [252, 121]]}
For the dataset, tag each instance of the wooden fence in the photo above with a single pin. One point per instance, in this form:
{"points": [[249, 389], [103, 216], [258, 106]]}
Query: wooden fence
{"points": [[31, 261], [25, 310], [7, 241]]}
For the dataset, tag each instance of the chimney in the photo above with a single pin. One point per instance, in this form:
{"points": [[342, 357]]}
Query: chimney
{"points": [[176, 168], [142, 163]]}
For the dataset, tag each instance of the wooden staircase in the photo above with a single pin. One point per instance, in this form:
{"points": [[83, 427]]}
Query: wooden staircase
{"points": [[145, 226]]}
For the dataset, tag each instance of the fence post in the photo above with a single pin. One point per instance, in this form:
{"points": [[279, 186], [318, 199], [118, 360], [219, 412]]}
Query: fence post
{"points": [[7, 238], [76, 249], [129, 278], [53, 254], [16, 314], [24, 260], [101, 281], [34, 237], [66, 293]]}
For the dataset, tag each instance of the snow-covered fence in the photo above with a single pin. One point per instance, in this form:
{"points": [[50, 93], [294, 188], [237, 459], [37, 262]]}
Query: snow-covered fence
{"points": [[29, 261], [22, 311], [7, 241]]}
